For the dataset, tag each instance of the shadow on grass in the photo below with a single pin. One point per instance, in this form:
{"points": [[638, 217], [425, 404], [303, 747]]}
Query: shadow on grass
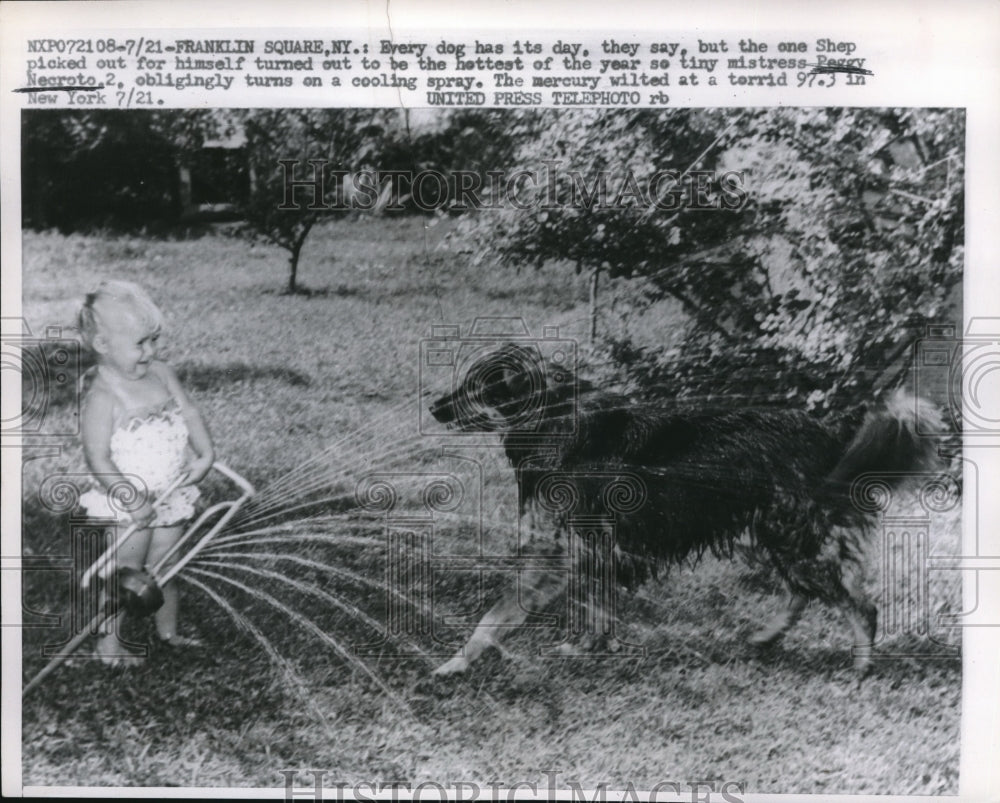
{"points": [[374, 293], [341, 291], [205, 378], [50, 377], [156, 230]]}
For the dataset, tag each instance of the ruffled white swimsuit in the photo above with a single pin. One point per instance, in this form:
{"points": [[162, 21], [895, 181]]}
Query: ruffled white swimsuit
{"points": [[150, 442]]}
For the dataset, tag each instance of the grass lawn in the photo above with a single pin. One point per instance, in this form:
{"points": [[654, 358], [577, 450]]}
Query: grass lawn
{"points": [[333, 378]]}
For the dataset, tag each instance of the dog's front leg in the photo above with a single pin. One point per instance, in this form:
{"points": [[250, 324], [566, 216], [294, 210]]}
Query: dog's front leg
{"points": [[533, 592], [780, 622]]}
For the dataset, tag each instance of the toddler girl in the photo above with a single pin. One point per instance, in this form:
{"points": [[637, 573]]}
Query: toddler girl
{"points": [[137, 420]]}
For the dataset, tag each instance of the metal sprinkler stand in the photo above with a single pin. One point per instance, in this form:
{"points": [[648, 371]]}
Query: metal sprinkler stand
{"points": [[147, 587]]}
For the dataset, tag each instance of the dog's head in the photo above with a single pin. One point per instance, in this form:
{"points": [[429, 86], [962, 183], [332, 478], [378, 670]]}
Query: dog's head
{"points": [[510, 388]]}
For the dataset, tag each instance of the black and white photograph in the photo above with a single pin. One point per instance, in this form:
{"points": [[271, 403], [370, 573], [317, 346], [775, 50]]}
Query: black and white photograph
{"points": [[640, 381], [418, 451]]}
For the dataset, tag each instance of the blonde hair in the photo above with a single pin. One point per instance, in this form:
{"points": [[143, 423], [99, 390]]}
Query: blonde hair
{"points": [[96, 311]]}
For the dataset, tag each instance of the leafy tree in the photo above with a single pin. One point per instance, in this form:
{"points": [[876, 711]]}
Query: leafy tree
{"points": [[106, 167], [109, 168], [342, 141], [120, 169], [848, 242]]}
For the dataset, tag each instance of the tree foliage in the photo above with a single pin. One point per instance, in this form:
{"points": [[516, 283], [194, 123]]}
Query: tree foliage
{"points": [[344, 140], [116, 169], [850, 239], [105, 168], [849, 242]]}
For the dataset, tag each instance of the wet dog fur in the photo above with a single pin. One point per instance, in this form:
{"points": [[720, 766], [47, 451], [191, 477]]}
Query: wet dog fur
{"points": [[781, 476]]}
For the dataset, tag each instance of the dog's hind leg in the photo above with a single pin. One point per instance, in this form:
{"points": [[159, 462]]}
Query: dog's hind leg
{"points": [[533, 592], [781, 621], [862, 615]]}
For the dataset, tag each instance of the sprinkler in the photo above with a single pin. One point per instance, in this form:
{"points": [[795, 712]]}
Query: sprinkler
{"points": [[140, 593]]}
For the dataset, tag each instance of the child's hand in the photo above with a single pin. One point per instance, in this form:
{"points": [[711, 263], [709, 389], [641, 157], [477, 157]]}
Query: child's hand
{"points": [[197, 469], [144, 514]]}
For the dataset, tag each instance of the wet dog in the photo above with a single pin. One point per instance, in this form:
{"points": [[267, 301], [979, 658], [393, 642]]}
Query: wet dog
{"points": [[695, 482]]}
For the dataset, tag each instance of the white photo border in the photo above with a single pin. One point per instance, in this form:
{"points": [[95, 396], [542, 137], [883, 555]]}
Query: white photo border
{"points": [[923, 54]]}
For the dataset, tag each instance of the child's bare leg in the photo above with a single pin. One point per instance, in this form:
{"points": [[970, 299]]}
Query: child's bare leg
{"points": [[166, 617], [109, 647]]}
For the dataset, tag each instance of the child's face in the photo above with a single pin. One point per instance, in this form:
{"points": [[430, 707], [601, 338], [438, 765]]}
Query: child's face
{"points": [[128, 345]]}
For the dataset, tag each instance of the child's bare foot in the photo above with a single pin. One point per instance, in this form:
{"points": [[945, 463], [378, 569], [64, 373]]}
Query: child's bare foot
{"points": [[177, 640], [114, 654]]}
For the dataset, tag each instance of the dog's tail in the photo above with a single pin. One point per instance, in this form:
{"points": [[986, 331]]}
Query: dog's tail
{"points": [[894, 440]]}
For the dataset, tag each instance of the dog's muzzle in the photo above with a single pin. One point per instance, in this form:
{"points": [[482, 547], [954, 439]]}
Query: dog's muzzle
{"points": [[443, 409]]}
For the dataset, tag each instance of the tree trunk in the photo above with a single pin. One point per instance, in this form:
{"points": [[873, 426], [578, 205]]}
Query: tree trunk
{"points": [[293, 270], [594, 276], [293, 259]]}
